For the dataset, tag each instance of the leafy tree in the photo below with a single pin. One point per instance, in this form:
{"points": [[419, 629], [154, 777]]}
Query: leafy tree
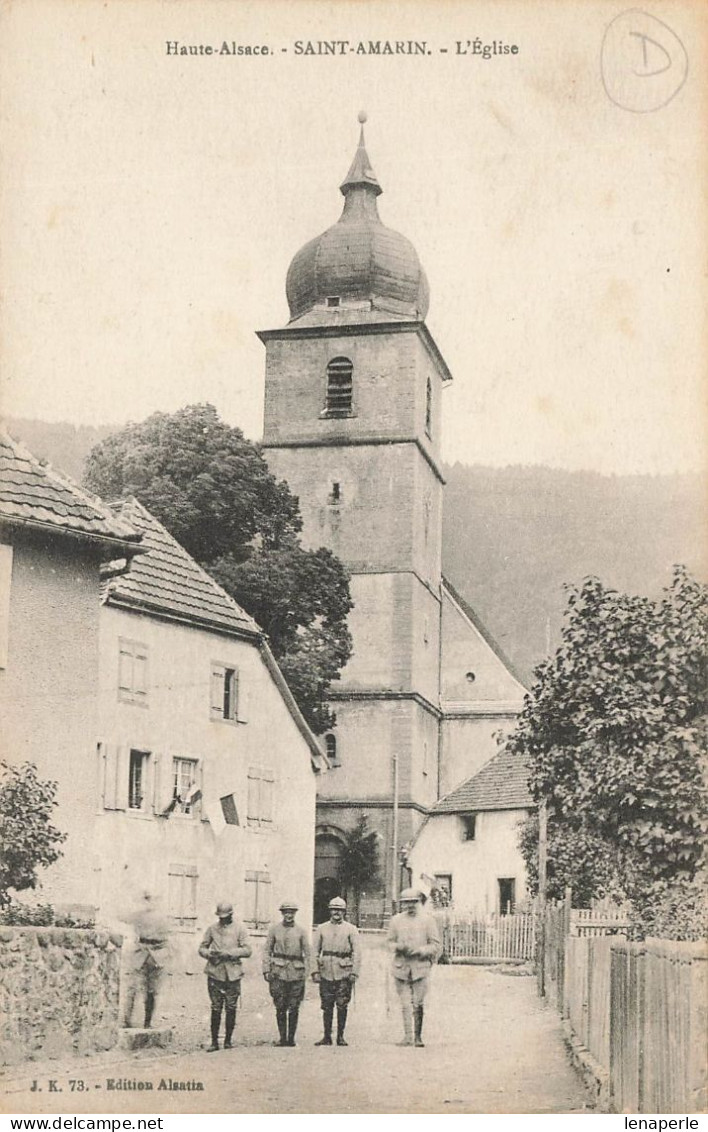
{"points": [[360, 864], [614, 735], [213, 491], [29, 840]]}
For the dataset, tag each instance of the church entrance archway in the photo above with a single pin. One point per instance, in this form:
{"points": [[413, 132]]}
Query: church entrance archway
{"points": [[329, 849]]}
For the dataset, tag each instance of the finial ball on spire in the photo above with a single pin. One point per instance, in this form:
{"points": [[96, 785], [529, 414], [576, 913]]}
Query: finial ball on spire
{"points": [[362, 116]]}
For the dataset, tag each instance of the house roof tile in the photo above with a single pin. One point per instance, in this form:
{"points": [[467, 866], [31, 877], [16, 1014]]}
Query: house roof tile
{"points": [[501, 784], [35, 493], [168, 580]]}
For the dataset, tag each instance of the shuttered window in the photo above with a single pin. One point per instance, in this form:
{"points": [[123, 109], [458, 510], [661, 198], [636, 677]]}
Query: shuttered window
{"points": [[257, 899], [132, 672], [226, 698], [261, 783], [340, 387]]}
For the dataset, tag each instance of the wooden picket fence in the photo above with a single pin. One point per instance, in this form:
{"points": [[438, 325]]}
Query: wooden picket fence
{"points": [[491, 938], [639, 1010]]}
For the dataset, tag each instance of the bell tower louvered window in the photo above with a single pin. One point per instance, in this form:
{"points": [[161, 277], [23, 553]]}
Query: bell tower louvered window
{"points": [[338, 400]]}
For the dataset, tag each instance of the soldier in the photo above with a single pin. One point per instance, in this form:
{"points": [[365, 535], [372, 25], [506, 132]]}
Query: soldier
{"points": [[224, 945], [338, 954], [285, 963], [414, 940], [148, 959]]}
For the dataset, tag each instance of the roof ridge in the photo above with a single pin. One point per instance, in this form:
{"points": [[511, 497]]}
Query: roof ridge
{"points": [[471, 614]]}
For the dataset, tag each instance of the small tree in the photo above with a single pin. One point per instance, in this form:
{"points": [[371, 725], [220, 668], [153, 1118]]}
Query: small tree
{"points": [[360, 863], [28, 839]]}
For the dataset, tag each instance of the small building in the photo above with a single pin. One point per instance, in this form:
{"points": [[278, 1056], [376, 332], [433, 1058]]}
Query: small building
{"points": [[54, 539], [206, 777], [468, 846]]}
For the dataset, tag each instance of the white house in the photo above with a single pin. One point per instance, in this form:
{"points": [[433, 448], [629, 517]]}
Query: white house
{"points": [[206, 770], [468, 845]]}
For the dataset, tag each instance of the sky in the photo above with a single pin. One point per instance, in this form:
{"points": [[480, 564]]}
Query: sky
{"points": [[150, 205]]}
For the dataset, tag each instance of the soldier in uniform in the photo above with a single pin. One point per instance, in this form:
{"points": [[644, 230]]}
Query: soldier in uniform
{"points": [[285, 965], [224, 945], [147, 961], [414, 941], [338, 954]]}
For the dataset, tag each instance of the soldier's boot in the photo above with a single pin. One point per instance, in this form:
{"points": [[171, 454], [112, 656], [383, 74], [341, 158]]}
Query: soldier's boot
{"points": [[215, 1024], [407, 1024], [282, 1018], [128, 1009], [341, 1025], [327, 1015], [419, 1027], [292, 1024], [230, 1022], [149, 1009]]}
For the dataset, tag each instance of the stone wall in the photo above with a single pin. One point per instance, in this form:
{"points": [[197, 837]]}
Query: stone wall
{"points": [[58, 991]]}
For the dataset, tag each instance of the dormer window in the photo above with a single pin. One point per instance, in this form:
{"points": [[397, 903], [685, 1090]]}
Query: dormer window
{"points": [[338, 401], [333, 300]]}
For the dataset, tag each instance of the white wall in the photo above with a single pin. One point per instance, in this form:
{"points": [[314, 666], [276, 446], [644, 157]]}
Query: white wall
{"points": [[476, 865]]}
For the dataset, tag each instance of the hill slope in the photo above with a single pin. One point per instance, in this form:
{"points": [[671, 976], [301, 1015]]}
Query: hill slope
{"points": [[512, 536]]}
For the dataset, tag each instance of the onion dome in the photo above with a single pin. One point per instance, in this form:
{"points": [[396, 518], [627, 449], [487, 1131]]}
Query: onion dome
{"points": [[358, 270]]}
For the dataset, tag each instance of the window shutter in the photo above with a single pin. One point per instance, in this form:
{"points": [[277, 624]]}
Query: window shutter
{"points": [[241, 693], [122, 778], [267, 790], [5, 580], [190, 895], [217, 691], [140, 673], [174, 890], [110, 775], [263, 889], [125, 669], [250, 897], [198, 808], [252, 811]]}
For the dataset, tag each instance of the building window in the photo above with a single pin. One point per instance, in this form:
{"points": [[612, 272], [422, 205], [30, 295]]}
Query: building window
{"points": [[260, 797], [185, 783], [182, 895], [132, 672], [507, 895], [469, 827], [257, 902], [332, 300], [335, 495], [338, 401], [331, 749], [429, 408], [224, 692], [443, 884], [137, 779]]}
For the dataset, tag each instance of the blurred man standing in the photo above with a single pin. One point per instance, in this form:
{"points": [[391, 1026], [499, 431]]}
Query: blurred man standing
{"points": [[147, 961], [338, 955]]}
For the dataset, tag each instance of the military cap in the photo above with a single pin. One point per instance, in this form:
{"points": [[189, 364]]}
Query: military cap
{"points": [[337, 902], [289, 905], [223, 908], [409, 894]]}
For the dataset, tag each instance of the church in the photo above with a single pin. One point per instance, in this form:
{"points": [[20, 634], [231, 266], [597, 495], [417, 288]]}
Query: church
{"points": [[353, 396]]}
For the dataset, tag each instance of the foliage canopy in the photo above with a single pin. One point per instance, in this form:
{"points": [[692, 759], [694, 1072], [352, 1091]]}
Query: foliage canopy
{"points": [[614, 735], [28, 838], [213, 491]]}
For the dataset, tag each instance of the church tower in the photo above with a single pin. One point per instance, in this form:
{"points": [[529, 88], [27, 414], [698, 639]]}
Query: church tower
{"points": [[352, 421]]}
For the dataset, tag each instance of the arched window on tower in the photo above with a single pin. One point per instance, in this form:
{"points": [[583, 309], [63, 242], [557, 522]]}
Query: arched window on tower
{"points": [[331, 748], [338, 400], [429, 408]]}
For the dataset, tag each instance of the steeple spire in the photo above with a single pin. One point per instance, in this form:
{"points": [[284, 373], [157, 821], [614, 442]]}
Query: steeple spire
{"points": [[360, 172]]}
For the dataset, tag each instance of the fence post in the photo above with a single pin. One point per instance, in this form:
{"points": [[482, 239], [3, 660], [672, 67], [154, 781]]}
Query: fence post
{"points": [[698, 1031]]}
